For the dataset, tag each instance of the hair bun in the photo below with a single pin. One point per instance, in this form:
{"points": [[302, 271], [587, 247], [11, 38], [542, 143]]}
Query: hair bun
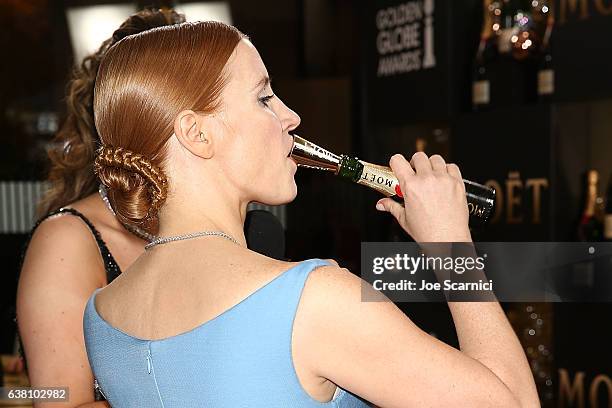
{"points": [[136, 187]]}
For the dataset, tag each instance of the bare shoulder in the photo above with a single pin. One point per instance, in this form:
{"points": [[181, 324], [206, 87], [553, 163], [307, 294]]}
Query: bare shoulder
{"points": [[339, 286], [335, 296], [59, 244], [61, 230]]}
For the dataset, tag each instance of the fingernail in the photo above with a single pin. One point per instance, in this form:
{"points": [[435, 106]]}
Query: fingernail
{"points": [[380, 207]]}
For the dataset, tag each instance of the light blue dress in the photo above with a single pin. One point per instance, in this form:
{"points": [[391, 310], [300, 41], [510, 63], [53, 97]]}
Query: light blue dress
{"points": [[241, 358]]}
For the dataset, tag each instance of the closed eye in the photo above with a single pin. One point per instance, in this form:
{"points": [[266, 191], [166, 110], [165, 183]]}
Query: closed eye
{"points": [[264, 100]]}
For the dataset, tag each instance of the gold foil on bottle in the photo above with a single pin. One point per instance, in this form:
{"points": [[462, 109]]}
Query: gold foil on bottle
{"points": [[309, 155]]}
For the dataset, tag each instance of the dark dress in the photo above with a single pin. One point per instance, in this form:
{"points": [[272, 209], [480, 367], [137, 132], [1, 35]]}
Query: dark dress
{"points": [[110, 265]]}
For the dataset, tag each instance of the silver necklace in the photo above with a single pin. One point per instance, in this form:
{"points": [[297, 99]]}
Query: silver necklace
{"points": [[135, 230], [165, 240]]}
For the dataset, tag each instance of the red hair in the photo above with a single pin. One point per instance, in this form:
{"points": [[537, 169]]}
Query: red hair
{"points": [[71, 176], [143, 83]]}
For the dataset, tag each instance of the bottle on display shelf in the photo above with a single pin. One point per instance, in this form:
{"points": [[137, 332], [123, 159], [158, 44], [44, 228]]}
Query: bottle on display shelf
{"points": [[590, 227], [608, 213], [481, 86], [480, 198], [487, 52], [546, 76], [546, 72]]}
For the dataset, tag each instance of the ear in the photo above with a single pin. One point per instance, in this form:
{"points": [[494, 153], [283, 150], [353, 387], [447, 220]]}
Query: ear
{"points": [[191, 131]]}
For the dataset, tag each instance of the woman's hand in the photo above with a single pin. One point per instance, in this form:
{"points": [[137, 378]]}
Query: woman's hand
{"points": [[435, 207]]}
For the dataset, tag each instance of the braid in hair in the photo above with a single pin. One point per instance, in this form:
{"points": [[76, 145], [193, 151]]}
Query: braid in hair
{"points": [[137, 188]]}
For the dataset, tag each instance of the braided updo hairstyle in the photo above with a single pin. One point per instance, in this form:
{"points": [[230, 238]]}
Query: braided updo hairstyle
{"points": [[134, 177], [72, 153], [143, 83]]}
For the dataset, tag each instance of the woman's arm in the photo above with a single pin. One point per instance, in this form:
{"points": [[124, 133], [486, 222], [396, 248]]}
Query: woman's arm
{"points": [[61, 270], [375, 351]]}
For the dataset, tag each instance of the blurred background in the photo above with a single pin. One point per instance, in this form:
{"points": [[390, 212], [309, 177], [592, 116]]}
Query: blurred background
{"points": [[517, 92]]}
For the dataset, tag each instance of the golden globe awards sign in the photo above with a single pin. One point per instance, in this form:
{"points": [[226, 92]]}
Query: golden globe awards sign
{"points": [[406, 64], [405, 40]]}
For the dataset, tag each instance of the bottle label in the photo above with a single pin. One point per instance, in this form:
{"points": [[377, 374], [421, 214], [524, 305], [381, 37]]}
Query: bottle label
{"points": [[608, 227], [382, 179], [379, 178], [546, 82], [481, 92]]}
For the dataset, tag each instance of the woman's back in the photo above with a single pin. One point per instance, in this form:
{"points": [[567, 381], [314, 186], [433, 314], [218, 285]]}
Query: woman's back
{"points": [[241, 356]]}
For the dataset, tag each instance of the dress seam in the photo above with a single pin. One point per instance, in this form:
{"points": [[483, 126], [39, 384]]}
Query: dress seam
{"points": [[151, 367]]}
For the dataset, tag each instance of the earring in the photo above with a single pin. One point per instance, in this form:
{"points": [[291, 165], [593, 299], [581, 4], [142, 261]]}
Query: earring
{"points": [[202, 138]]}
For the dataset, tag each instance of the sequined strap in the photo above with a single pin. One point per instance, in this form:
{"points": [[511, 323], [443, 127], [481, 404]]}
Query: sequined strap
{"points": [[110, 264]]}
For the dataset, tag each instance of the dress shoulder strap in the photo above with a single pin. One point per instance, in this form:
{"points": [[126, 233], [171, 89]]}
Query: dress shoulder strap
{"points": [[110, 264]]}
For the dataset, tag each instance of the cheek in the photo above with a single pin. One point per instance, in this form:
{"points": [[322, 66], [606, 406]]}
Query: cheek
{"points": [[272, 123], [259, 120], [260, 145], [269, 132]]}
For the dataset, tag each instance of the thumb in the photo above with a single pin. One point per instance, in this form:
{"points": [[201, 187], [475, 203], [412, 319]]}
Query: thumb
{"points": [[390, 206]]}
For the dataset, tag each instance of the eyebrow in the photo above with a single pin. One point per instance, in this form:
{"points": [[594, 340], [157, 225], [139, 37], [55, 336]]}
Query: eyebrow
{"points": [[263, 82]]}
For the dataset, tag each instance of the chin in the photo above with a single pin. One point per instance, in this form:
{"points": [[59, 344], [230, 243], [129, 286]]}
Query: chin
{"points": [[292, 197], [283, 197]]}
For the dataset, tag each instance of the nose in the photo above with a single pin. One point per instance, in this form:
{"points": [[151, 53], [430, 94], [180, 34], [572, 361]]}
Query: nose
{"points": [[290, 120]]}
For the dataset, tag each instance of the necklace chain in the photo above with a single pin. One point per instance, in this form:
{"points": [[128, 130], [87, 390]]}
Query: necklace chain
{"points": [[165, 240], [152, 239], [139, 232]]}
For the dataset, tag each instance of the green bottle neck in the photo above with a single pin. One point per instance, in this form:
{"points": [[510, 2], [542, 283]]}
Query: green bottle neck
{"points": [[350, 167]]}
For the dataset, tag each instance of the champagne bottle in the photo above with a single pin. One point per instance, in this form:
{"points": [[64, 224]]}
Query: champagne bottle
{"points": [[590, 228], [481, 86], [480, 198], [546, 72], [487, 50], [608, 213]]}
